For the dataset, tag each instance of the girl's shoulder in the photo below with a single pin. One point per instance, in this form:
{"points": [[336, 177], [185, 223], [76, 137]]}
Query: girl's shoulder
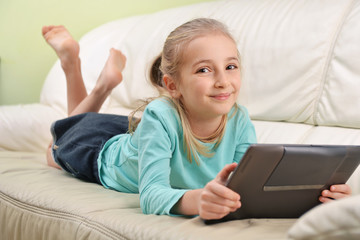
{"points": [[162, 109], [160, 104]]}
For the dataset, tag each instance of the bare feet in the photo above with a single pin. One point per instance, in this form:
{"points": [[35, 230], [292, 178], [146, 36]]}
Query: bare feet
{"points": [[63, 43], [111, 75], [109, 78], [49, 158]]}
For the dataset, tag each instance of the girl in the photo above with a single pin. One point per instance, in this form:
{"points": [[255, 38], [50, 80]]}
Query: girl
{"points": [[189, 139]]}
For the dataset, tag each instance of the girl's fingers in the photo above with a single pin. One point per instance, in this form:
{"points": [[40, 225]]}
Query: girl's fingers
{"points": [[325, 199], [212, 210], [223, 175], [211, 216], [219, 208], [341, 188], [333, 195], [216, 199], [335, 192], [211, 198], [221, 192]]}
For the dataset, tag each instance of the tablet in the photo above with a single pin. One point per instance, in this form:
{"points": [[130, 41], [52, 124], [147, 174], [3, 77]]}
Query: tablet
{"points": [[285, 181]]}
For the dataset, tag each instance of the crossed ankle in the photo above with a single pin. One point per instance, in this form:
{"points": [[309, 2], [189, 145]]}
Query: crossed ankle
{"points": [[101, 91], [70, 65]]}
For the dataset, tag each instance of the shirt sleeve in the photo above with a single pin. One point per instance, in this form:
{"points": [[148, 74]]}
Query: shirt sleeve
{"points": [[155, 151]]}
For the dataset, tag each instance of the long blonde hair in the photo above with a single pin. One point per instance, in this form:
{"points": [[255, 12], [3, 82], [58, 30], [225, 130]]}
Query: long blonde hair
{"points": [[169, 62]]}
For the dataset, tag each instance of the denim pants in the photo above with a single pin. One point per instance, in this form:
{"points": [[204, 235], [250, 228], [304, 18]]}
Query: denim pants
{"points": [[78, 140]]}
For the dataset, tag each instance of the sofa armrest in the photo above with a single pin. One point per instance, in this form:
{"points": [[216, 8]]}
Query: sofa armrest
{"points": [[26, 127]]}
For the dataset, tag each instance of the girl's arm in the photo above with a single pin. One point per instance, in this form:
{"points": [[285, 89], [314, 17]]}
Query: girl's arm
{"points": [[336, 192], [214, 201]]}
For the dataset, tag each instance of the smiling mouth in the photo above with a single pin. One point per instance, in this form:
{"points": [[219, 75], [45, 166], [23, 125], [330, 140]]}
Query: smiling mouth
{"points": [[222, 96]]}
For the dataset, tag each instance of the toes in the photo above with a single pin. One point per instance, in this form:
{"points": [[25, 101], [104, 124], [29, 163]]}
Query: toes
{"points": [[46, 30], [117, 57]]}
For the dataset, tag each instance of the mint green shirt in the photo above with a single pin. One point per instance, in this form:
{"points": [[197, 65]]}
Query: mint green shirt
{"points": [[153, 162]]}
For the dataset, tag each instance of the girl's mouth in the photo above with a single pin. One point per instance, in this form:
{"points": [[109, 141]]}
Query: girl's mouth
{"points": [[222, 96]]}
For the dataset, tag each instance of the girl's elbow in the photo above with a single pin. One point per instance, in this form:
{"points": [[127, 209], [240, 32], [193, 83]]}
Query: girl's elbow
{"points": [[143, 206]]}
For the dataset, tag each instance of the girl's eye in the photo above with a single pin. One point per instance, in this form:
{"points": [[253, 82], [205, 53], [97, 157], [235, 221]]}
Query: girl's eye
{"points": [[203, 70], [231, 67]]}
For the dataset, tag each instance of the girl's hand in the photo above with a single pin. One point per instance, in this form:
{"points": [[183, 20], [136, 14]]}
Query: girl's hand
{"points": [[335, 192], [216, 200]]}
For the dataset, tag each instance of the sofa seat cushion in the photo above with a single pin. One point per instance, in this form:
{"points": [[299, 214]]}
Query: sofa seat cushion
{"points": [[46, 203]]}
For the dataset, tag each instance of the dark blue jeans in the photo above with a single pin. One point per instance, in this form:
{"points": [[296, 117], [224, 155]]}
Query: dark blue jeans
{"points": [[78, 140]]}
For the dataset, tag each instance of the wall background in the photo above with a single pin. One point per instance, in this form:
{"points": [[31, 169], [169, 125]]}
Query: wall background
{"points": [[25, 58]]}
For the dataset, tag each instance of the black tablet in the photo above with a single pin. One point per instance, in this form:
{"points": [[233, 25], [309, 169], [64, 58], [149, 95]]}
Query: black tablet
{"points": [[285, 181]]}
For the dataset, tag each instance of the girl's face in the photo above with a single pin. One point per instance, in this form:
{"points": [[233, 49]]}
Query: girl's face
{"points": [[209, 77]]}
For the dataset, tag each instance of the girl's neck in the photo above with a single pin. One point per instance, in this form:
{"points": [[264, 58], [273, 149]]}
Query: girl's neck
{"points": [[205, 129]]}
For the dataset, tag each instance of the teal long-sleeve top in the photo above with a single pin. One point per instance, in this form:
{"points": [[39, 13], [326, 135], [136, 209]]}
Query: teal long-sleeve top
{"points": [[152, 160]]}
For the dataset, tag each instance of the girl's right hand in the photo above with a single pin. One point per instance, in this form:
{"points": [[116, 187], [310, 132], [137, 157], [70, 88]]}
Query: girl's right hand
{"points": [[216, 200]]}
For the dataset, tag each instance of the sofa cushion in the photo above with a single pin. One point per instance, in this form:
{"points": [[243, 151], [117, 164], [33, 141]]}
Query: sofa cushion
{"points": [[335, 220], [46, 203], [300, 50]]}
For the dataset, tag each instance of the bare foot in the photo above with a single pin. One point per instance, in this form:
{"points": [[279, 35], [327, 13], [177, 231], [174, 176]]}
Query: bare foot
{"points": [[111, 75], [49, 158], [63, 43]]}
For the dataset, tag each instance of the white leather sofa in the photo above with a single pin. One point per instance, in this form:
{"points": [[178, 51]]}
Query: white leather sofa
{"points": [[301, 84]]}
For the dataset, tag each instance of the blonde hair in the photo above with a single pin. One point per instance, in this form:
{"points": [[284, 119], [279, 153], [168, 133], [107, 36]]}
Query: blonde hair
{"points": [[169, 62]]}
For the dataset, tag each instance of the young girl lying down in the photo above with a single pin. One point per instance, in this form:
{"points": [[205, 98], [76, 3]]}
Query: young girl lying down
{"points": [[188, 140]]}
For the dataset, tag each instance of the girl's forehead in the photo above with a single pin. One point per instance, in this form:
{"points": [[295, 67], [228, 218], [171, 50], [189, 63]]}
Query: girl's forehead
{"points": [[220, 36], [210, 46]]}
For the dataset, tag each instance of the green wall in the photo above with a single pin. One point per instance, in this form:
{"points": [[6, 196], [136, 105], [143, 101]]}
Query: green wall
{"points": [[25, 57]]}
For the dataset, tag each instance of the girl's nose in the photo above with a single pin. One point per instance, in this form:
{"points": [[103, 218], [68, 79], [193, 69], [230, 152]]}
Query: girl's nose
{"points": [[221, 80]]}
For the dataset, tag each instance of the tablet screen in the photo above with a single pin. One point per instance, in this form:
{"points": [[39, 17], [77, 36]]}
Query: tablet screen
{"points": [[304, 167]]}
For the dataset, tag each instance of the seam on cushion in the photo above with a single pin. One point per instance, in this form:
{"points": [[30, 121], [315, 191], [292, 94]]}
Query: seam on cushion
{"points": [[306, 135], [102, 229], [330, 54]]}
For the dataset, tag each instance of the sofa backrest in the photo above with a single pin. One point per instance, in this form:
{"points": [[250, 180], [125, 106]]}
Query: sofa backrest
{"points": [[301, 59]]}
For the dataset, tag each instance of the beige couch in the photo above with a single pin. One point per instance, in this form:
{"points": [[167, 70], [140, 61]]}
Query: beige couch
{"points": [[301, 84]]}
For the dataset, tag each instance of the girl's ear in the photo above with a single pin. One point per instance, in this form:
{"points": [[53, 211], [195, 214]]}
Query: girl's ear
{"points": [[171, 86]]}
